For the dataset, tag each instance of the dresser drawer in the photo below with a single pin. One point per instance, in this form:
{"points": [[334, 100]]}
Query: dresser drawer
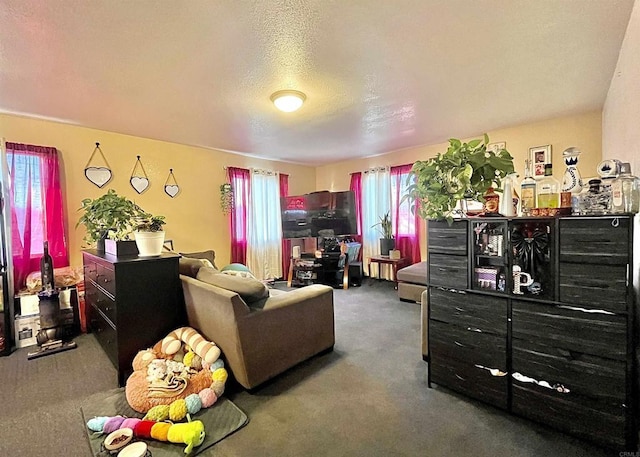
{"points": [[103, 302], [603, 287], [573, 330], [451, 341], [106, 278], [478, 313], [602, 381], [448, 271], [600, 241], [90, 270], [580, 418], [447, 239], [467, 378], [104, 333]]}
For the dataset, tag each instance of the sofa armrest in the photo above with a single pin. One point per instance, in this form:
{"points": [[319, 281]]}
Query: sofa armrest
{"points": [[296, 296]]}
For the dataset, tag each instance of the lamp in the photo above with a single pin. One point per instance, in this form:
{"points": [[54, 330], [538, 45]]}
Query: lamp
{"points": [[288, 100]]}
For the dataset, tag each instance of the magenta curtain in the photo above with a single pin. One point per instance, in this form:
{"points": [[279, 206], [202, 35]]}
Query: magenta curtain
{"points": [[286, 244], [37, 213], [405, 224], [240, 181], [356, 187]]}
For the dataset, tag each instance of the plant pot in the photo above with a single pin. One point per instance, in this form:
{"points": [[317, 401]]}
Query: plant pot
{"points": [[386, 245], [120, 247], [149, 243]]}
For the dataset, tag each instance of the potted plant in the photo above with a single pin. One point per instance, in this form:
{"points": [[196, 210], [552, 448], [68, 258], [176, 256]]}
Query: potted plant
{"points": [[464, 172], [387, 242], [109, 216], [149, 234]]}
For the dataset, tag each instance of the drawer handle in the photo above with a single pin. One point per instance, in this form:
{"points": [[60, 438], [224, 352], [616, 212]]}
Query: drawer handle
{"points": [[460, 377], [460, 344], [460, 310]]}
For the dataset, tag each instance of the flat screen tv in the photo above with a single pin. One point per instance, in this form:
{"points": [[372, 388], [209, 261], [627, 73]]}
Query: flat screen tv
{"points": [[316, 214]]}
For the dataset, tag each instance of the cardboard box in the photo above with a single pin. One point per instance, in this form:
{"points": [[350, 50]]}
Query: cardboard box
{"points": [[26, 330], [30, 304]]}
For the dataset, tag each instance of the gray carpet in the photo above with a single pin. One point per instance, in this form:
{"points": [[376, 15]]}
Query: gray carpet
{"points": [[369, 397]]}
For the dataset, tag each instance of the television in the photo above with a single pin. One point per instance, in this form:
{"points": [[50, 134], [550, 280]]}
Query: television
{"points": [[318, 214]]}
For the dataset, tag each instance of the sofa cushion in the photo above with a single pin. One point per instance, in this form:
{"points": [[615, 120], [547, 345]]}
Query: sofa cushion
{"points": [[249, 289], [190, 267], [210, 255], [416, 273]]}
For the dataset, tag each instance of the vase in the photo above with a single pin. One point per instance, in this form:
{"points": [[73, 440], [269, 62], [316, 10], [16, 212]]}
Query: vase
{"points": [[386, 245], [149, 243]]}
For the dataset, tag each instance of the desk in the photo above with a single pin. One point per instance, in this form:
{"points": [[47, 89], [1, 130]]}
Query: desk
{"points": [[385, 260]]}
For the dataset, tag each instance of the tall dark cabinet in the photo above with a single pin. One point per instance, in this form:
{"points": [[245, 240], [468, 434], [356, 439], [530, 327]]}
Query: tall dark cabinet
{"points": [[538, 317], [132, 303]]}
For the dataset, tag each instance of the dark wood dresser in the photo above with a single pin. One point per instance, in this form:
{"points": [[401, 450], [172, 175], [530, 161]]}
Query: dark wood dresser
{"points": [[132, 303], [557, 343]]}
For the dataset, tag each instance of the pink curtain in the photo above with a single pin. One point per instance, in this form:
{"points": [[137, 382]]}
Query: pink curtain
{"points": [[37, 213], [240, 180], [286, 244], [405, 224], [356, 187]]}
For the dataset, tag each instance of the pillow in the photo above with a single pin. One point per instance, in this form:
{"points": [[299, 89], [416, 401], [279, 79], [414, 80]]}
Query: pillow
{"points": [[190, 267], [242, 274], [235, 267], [210, 255], [250, 289]]}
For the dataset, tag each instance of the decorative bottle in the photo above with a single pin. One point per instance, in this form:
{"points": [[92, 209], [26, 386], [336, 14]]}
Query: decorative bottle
{"points": [[509, 202], [527, 190], [46, 270], [548, 189], [624, 191], [571, 181]]}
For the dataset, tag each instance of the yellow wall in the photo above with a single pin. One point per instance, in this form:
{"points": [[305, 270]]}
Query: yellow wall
{"points": [[194, 219], [583, 131]]}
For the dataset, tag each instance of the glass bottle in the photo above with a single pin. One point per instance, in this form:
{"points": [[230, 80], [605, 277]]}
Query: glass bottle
{"points": [[624, 191], [527, 190], [46, 269], [548, 189]]}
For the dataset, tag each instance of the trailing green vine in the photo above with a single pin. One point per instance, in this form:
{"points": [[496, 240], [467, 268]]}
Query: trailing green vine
{"points": [[226, 198]]}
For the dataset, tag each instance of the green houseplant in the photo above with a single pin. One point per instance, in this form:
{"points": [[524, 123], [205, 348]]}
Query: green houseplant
{"points": [[149, 234], [108, 216], [387, 242], [464, 172]]}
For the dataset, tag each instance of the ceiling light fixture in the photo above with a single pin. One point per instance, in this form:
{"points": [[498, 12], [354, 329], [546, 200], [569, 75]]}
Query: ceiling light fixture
{"points": [[288, 100]]}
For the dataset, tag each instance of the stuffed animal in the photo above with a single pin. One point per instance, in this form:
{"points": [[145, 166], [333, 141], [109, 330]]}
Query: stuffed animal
{"points": [[159, 379], [190, 433]]}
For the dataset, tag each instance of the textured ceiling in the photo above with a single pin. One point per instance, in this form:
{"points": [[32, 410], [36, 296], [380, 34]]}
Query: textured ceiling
{"points": [[379, 75]]}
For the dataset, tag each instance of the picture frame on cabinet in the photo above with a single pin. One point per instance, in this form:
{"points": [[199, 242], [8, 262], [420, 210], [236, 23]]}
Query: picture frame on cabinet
{"points": [[539, 157]]}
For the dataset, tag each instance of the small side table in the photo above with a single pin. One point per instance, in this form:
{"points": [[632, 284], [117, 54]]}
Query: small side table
{"points": [[385, 260]]}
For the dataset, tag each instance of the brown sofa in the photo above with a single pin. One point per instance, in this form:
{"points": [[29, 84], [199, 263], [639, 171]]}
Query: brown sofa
{"points": [[261, 332], [412, 281]]}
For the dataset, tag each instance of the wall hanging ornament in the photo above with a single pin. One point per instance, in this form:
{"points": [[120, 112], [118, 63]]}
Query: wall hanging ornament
{"points": [[226, 198], [99, 173], [139, 179], [171, 187]]}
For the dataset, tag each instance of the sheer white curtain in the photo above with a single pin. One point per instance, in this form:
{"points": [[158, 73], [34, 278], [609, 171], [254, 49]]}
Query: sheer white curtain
{"points": [[264, 232], [376, 202]]}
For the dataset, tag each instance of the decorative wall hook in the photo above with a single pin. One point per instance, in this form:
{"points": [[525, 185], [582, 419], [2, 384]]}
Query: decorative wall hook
{"points": [[139, 179], [99, 174], [171, 187]]}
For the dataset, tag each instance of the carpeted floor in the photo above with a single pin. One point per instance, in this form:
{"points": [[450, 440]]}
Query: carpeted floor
{"points": [[369, 397]]}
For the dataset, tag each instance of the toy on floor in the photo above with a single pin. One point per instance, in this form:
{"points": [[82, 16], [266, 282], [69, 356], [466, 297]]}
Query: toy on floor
{"points": [[190, 433], [180, 374]]}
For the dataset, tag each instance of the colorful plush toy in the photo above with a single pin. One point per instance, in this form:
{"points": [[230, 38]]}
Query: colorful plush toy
{"points": [[190, 433], [181, 366]]}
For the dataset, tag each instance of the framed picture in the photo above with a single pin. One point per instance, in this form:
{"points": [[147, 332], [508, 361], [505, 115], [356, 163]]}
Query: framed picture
{"points": [[539, 157], [496, 147]]}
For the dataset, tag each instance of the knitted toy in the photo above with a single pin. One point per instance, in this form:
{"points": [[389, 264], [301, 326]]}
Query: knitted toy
{"points": [[180, 374], [190, 433]]}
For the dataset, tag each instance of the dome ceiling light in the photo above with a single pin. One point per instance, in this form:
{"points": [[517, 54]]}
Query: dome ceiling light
{"points": [[288, 100]]}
